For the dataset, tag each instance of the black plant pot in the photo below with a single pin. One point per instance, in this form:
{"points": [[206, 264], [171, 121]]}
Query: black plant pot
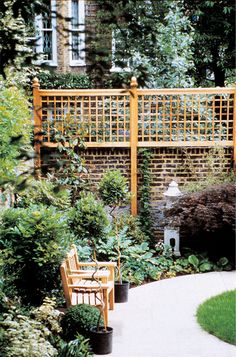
{"points": [[101, 340], [121, 291]]}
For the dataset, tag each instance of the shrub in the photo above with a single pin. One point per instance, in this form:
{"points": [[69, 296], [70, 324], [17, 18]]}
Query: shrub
{"points": [[134, 228], [89, 219], [79, 319], [113, 188], [206, 217], [52, 80], [33, 243], [44, 192], [50, 317]]}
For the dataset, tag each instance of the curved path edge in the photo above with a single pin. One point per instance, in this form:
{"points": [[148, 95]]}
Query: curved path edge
{"points": [[159, 319]]}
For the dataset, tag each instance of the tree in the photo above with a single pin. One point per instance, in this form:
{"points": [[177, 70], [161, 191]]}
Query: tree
{"points": [[155, 37], [15, 17], [214, 39]]}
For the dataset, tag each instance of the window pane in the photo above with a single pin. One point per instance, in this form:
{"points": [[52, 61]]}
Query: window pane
{"points": [[75, 14], [47, 16], [75, 46], [47, 44]]}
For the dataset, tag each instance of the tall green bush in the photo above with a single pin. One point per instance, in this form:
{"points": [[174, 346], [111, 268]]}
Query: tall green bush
{"points": [[145, 194], [15, 126], [33, 242]]}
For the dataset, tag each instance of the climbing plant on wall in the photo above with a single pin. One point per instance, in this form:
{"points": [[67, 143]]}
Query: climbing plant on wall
{"points": [[145, 193]]}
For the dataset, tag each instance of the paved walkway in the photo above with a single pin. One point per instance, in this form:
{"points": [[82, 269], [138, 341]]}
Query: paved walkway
{"points": [[159, 319]]}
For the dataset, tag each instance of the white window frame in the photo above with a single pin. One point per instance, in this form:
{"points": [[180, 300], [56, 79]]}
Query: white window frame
{"points": [[115, 68], [81, 31], [39, 38]]}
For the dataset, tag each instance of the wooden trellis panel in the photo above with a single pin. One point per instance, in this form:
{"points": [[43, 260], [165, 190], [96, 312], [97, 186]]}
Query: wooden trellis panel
{"points": [[194, 117]]}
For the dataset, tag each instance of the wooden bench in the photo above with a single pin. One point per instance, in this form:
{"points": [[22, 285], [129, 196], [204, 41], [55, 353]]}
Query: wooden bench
{"points": [[86, 270], [88, 286]]}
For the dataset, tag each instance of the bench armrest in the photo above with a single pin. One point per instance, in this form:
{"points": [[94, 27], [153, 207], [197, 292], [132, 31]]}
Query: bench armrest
{"points": [[88, 287], [88, 274], [100, 264]]}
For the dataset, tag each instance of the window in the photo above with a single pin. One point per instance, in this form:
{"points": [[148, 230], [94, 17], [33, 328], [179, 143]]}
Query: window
{"points": [[46, 44], [120, 56], [77, 33]]}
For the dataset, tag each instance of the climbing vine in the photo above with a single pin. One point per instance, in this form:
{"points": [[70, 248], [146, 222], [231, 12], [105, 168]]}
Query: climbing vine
{"points": [[145, 194]]}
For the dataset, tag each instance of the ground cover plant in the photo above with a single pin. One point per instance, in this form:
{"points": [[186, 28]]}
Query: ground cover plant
{"points": [[217, 316], [38, 332]]}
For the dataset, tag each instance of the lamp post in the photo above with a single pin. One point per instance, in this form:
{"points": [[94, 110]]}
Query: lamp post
{"points": [[171, 233]]}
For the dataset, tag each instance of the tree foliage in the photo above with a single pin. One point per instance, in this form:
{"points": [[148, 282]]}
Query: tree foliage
{"points": [[171, 43], [15, 17], [15, 127], [214, 39], [154, 37]]}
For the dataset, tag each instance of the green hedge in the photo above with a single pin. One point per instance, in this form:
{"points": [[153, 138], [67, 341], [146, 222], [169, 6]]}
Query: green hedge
{"points": [[54, 80]]}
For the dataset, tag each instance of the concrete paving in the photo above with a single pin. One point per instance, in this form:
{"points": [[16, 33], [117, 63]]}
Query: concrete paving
{"points": [[159, 320]]}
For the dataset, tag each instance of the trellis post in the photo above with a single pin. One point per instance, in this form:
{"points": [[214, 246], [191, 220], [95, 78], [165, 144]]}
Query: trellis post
{"points": [[37, 107], [134, 143]]}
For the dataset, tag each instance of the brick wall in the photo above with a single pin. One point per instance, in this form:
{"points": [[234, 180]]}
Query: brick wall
{"points": [[180, 164], [167, 164]]}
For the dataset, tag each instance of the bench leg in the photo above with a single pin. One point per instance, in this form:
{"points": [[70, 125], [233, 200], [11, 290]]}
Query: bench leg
{"points": [[112, 299], [105, 297]]}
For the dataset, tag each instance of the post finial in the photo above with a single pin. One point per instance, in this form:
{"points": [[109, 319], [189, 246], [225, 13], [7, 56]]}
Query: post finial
{"points": [[36, 83], [133, 83]]}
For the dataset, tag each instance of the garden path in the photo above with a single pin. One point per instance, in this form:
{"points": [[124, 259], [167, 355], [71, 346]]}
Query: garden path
{"points": [[159, 319]]}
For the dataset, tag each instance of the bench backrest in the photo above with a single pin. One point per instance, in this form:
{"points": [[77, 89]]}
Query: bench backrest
{"points": [[65, 282], [72, 259]]}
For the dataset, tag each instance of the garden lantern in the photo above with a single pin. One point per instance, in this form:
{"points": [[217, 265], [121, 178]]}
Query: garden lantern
{"points": [[171, 232], [172, 193]]}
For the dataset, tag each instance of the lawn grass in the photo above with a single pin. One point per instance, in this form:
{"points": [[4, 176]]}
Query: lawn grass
{"points": [[217, 316]]}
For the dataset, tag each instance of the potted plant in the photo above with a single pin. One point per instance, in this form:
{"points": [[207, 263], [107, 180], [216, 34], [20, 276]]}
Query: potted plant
{"points": [[101, 336], [87, 320], [113, 190]]}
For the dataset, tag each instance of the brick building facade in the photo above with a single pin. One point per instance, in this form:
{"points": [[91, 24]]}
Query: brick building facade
{"points": [[66, 32]]}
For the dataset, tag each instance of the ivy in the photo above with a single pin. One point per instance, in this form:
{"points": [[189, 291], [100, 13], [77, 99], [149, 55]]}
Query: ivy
{"points": [[145, 196]]}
